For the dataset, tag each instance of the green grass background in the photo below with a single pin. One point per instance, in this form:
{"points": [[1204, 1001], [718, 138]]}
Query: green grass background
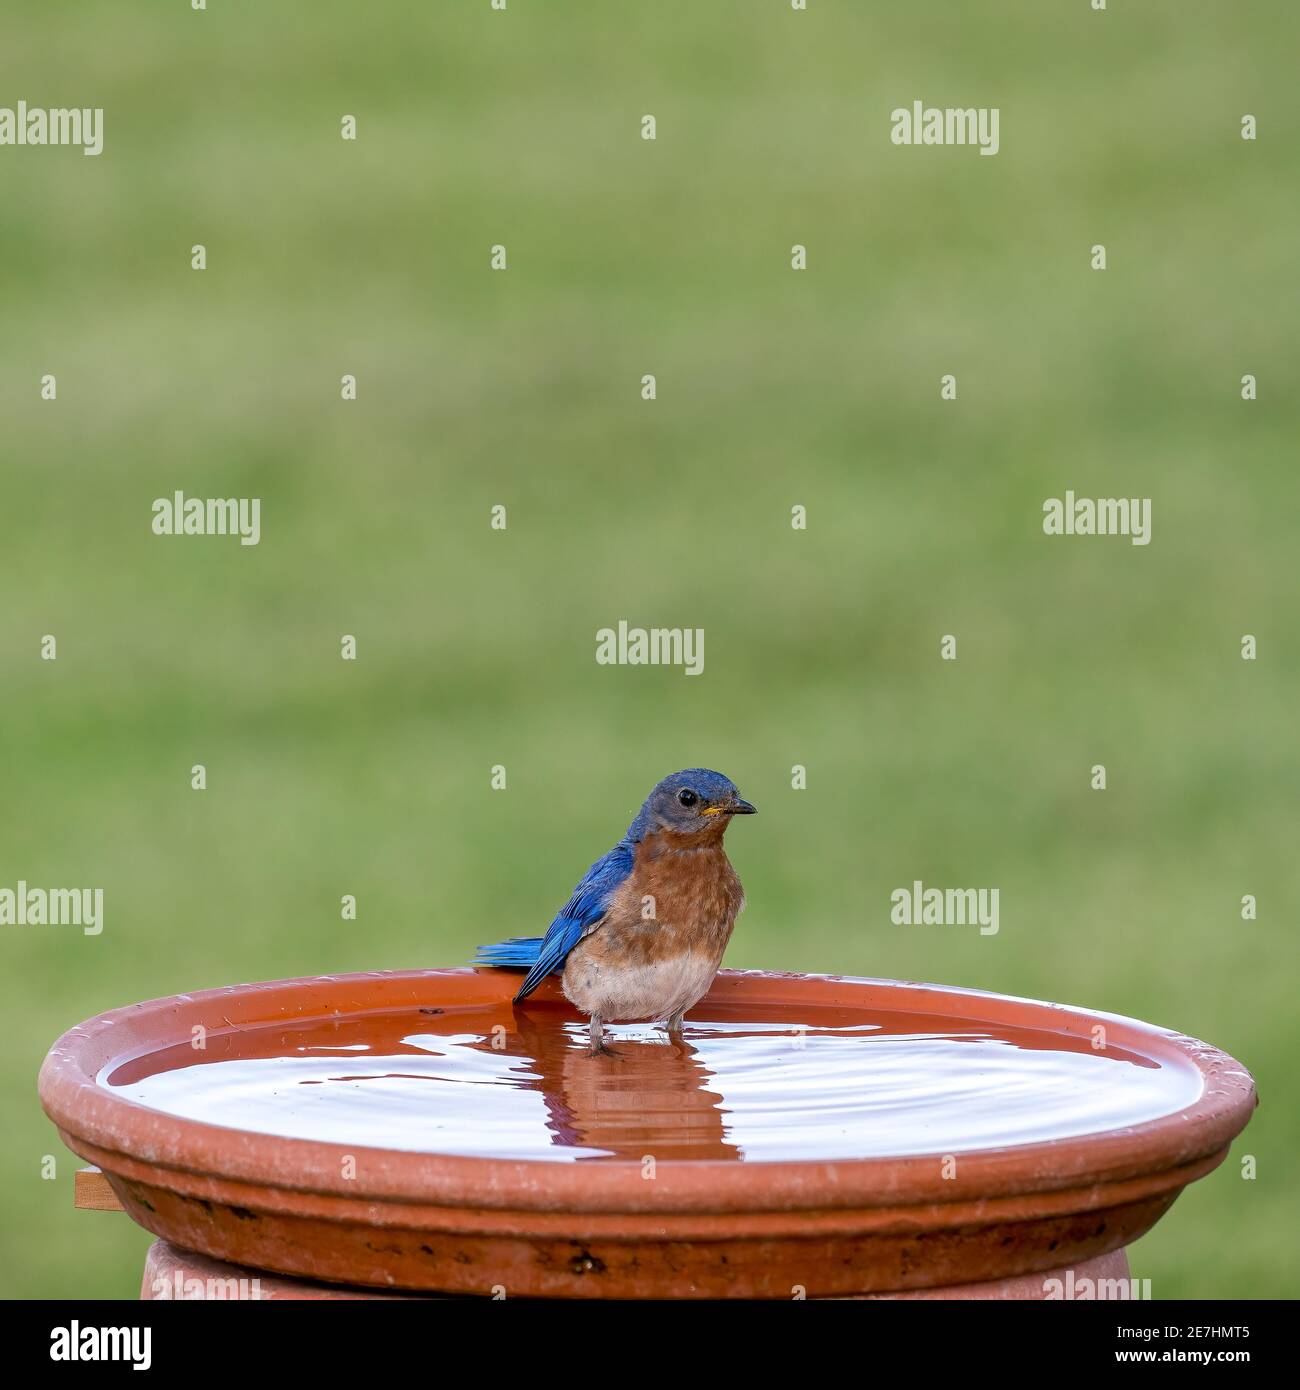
{"points": [[775, 388]]}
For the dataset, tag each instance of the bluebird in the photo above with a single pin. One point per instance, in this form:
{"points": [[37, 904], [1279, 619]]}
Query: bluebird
{"points": [[643, 934]]}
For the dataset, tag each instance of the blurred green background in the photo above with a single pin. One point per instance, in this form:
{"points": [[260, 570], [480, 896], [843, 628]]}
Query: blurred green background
{"points": [[775, 388]]}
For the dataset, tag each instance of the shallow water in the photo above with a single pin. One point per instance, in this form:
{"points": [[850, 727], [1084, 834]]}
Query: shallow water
{"points": [[798, 1083]]}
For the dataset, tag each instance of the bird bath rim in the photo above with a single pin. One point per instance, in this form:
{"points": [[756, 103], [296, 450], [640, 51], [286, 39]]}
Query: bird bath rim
{"points": [[133, 1140]]}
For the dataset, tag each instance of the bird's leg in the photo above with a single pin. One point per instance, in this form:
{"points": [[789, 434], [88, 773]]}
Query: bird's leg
{"points": [[598, 1048], [675, 1024]]}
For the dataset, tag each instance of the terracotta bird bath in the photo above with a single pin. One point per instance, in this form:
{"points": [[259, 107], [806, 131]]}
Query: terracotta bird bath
{"points": [[813, 1136]]}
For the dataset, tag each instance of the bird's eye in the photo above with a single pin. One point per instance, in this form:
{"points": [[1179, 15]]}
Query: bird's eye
{"points": [[687, 797]]}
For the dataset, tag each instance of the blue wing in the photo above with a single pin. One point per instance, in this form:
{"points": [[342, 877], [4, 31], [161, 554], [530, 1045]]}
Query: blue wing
{"points": [[586, 907]]}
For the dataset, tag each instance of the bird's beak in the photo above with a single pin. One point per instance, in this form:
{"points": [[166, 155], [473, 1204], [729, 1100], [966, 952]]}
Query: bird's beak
{"points": [[731, 808], [743, 808]]}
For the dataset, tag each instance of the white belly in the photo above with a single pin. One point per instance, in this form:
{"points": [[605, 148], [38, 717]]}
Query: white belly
{"points": [[654, 990]]}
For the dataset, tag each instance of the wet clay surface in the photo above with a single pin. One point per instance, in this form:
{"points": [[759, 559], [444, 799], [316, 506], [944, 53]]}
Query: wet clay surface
{"points": [[745, 1084]]}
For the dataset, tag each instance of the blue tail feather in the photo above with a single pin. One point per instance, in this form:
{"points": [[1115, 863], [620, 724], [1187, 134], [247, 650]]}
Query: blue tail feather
{"points": [[519, 953], [542, 956]]}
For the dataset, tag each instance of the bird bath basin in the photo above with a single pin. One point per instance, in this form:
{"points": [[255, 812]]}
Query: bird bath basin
{"points": [[813, 1134]]}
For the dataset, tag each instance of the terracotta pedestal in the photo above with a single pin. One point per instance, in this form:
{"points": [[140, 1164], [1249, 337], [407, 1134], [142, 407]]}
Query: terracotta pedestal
{"points": [[172, 1273]]}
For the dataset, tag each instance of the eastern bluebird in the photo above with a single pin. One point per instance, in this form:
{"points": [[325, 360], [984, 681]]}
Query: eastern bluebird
{"points": [[643, 934]]}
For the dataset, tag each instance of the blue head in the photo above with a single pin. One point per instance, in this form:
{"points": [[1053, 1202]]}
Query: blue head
{"points": [[690, 802]]}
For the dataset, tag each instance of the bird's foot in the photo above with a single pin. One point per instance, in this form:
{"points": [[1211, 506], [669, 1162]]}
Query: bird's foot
{"points": [[596, 1031]]}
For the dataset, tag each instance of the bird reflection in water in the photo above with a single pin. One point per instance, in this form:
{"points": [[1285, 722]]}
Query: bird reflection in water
{"points": [[654, 1101]]}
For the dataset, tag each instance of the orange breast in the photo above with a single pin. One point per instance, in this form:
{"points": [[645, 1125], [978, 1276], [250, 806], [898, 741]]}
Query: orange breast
{"points": [[675, 901]]}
